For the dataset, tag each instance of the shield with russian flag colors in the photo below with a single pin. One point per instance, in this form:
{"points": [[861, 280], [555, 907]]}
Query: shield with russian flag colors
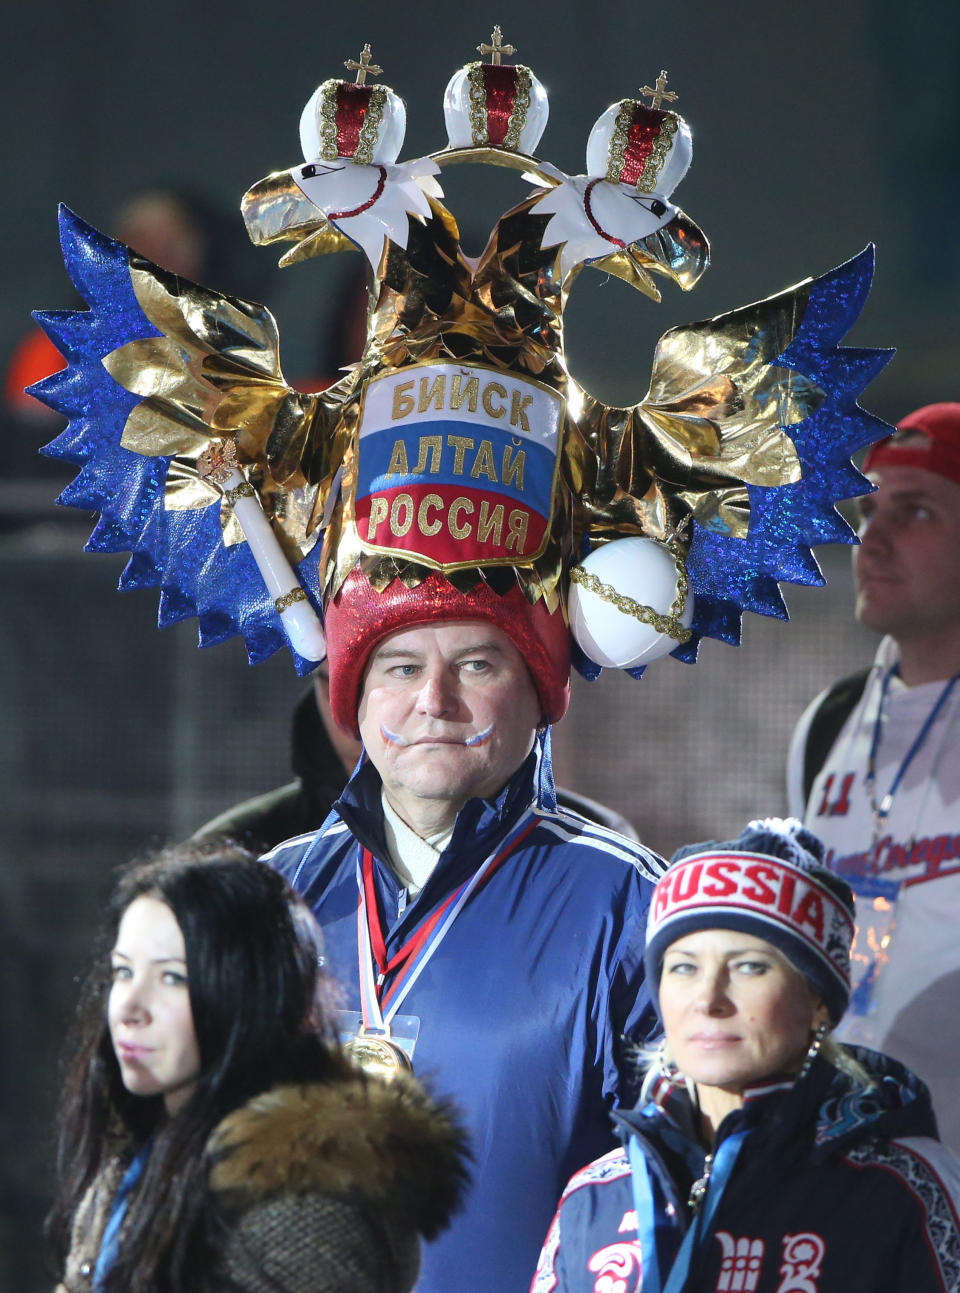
{"points": [[457, 465]]}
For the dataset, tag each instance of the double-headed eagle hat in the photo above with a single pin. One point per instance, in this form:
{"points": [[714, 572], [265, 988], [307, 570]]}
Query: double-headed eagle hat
{"points": [[459, 470]]}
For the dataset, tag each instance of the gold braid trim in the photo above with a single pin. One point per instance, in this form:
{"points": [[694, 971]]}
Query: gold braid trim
{"points": [[289, 599], [658, 154], [245, 490], [478, 104], [478, 108], [518, 116], [328, 121], [618, 141], [367, 141], [371, 125], [669, 623]]}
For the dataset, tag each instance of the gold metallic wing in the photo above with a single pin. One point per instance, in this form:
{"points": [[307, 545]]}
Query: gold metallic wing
{"points": [[213, 373], [712, 423]]}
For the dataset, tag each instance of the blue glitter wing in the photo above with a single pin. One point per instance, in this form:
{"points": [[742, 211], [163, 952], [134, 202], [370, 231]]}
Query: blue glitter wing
{"points": [[732, 575], [181, 552]]}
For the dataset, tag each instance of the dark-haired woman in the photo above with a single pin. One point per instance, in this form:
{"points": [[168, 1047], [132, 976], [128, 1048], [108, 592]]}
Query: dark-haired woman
{"points": [[763, 1157], [211, 1135]]}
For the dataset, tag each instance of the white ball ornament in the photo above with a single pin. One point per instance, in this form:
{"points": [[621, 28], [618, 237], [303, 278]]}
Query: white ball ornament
{"points": [[641, 570]]}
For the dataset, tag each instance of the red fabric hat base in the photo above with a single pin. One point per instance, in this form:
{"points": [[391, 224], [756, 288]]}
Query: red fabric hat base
{"points": [[939, 424], [359, 617]]}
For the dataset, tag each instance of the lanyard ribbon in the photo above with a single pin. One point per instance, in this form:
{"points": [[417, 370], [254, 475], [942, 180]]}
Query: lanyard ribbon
{"points": [[110, 1243], [379, 1007], [882, 810], [651, 1213]]}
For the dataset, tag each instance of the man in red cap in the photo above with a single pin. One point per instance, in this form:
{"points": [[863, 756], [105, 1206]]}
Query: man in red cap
{"points": [[875, 761], [478, 930]]}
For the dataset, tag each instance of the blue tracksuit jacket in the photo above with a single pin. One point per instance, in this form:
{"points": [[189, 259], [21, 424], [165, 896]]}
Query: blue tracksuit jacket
{"points": [[837, 1189], [521, 1010]]}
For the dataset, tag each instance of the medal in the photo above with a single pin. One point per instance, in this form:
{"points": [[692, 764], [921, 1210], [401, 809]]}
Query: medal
{"points": [[371, 1047], [699, 1188], [377, 1055]]}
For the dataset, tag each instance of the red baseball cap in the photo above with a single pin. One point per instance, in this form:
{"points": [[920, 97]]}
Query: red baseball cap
{"points": [[928, 438]]}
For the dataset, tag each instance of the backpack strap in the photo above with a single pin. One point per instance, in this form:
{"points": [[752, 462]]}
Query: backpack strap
{"points": [[827, 724]]}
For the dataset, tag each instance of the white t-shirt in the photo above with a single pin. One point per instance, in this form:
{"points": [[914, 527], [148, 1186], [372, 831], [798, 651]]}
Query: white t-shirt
{"points": [[914, 1008]]}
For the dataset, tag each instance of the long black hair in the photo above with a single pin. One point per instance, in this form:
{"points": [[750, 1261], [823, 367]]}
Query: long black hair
{"points": [[256, 993]]}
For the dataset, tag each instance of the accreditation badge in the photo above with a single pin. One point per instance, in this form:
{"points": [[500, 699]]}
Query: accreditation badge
{"points": [[457, 465], [876, 906]]}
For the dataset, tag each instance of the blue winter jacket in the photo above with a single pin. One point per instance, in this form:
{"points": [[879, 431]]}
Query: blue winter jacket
{"points": [[837, 1189], [521, 1010]]}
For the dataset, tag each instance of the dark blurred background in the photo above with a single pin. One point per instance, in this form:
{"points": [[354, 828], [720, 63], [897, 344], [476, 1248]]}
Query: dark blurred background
{"points": [[818, 127]]}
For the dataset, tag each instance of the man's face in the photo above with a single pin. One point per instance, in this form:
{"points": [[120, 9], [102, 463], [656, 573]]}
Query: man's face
{"points": [[907, 567], [448, 712]]}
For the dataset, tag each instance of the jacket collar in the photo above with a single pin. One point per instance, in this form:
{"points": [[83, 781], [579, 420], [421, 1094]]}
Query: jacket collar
{"points": [[838, 1111], [672, 1105], [897, 1104], [386, 1143], [480, 824]]}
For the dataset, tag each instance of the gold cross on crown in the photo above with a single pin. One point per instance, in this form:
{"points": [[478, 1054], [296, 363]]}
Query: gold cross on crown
{"points": [[364, 68], [496, 47], [659, 92]]}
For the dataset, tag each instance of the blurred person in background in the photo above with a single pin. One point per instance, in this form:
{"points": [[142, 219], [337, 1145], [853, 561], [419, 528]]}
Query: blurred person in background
{"points": [[874, 765], [187, 235], [176, 229], [166, 226]]}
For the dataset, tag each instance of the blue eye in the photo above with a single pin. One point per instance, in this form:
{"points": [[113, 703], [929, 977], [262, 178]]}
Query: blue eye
{"points": [[753, 967], [402, 670]]}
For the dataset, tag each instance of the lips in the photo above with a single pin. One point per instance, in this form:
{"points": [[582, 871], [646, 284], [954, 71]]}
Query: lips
{"points": [[876, 586], [131, 1051], [430, 738], [867, 577], [425, 742], [714, 1041]]}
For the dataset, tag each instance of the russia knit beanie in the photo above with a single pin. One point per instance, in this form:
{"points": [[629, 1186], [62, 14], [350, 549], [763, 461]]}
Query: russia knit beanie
{"points": [[769, 882]]}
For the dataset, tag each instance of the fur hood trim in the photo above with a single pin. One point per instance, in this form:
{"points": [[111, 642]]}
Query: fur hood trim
{"points": [[354, 1135]]}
